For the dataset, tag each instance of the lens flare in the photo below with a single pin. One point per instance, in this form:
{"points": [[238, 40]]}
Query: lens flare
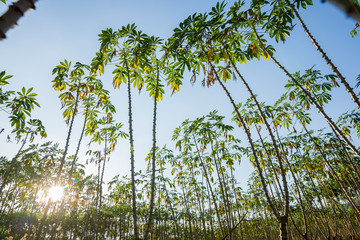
{"points": [[55, 193]]}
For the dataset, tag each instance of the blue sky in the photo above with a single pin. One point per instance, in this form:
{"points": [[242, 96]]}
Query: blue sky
{"points": [[66, 29]]}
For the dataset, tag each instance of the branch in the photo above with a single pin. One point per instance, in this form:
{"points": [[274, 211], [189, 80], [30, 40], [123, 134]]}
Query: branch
{"points": [[347, 6], [242, 219], [13, 14]]}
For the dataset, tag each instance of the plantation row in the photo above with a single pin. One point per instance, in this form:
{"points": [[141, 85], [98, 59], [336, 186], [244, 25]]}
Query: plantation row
{"points": [[305, 183]]}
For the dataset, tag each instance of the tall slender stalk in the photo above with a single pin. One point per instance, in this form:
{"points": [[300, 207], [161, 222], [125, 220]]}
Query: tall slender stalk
{"points": [[277, 152], [209, 186], [282, 220], [62, 162], [311, 98], [171, 208], [62, 206], [324, 55], [12, 165], [132, 159], [153, 158], [334, 174]]}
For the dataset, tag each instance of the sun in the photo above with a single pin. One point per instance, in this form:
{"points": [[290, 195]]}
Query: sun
{"points": [[55, 193]]}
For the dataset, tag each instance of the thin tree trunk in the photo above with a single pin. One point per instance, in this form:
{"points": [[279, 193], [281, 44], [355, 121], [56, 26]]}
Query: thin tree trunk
{"points": [[209, 186], [13, 161], [30, 223], [333, 173], [95, 221], [211, 222], [132, 160], [4, 201], [312, 209], [274, 172], [222, 190], [249, 138], [62, 206], [153, 163], [62, 162], [277, 152], [312, 100], [102, 172], [187, 210], [305, 234], [201, 210], [15, 189], [323, 54], [171, 208]]}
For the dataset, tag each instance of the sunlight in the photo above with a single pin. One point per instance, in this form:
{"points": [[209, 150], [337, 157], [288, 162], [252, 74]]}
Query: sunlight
{"points": [[55, 193]]}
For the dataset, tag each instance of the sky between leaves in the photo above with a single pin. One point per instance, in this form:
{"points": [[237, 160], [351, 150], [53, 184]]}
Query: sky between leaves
{"points": [[68, 29]]}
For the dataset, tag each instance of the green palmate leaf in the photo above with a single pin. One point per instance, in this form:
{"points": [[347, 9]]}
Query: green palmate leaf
{"points": [[303, 3], [68, 113], [358, 81], [3, 1], [3, 78]]}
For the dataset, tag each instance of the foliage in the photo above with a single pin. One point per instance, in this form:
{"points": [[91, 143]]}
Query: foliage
{"points": [[354, 32], [305, 182]]}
